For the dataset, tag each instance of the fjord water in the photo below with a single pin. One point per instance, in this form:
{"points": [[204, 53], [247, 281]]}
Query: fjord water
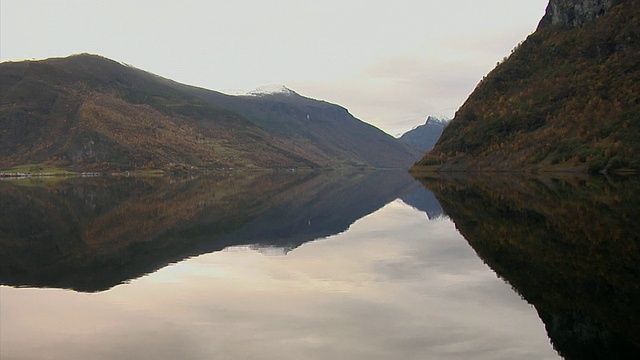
{"points": [[361, 265]]}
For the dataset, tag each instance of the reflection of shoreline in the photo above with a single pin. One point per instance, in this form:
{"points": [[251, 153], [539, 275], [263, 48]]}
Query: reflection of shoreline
{"points": [[20, 175], [92, 234], [569, 246]]}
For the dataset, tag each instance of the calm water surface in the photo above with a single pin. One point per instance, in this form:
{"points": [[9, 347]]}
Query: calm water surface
{"points": [[269, 266]]}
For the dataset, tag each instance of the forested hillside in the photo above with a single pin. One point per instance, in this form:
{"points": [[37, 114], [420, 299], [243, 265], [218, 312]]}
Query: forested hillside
{"points": [[567, 98], [89, 113]]}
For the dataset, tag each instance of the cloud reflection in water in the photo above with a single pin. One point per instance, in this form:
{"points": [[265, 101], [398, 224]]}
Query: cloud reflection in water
{"points": [[394, 285]]}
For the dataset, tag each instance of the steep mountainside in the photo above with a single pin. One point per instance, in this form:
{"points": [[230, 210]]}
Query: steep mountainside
{"points": [[425, 136], [567, 98], [87, 112]]}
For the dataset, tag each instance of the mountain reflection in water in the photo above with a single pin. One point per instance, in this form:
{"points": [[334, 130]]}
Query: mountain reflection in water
{"points": [[391, 285], [569, 246], [92, 234], [216, 268]]}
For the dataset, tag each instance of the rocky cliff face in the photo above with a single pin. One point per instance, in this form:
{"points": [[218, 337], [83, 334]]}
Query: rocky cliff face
{"points": [[572, 13]]}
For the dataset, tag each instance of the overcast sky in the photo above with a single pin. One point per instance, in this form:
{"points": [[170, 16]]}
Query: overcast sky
{"points": [[391, 63]]}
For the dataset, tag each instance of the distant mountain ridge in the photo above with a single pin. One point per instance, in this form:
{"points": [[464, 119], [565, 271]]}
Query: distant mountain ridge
{"points": [[425, 136], [86, 112], [330, 128], [566, 98]]}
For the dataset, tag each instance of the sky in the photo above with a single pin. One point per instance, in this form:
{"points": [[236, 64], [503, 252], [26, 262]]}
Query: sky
{"points": [[391, 63]]}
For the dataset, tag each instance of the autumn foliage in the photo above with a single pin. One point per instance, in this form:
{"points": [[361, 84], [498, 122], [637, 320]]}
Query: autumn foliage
{"points": [[566, 99]]}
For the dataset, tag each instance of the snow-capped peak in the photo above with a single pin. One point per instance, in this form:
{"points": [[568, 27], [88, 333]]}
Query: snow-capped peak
{"points": [[271, 90], [274, 89], [432, 119], [437, 119]]}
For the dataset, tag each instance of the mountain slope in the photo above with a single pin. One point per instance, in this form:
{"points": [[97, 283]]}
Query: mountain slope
{"points": [[567, 98], [86, 112], [425, 136], [331, 135]]}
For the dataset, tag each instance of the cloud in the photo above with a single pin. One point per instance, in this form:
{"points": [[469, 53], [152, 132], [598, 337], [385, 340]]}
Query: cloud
{"points": [[396, 94], [398, 91]]}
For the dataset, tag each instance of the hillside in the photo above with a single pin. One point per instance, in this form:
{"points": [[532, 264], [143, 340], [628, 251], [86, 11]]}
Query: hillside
{"points": [[328, 132], [425, 136], [86, 112], [567, 98]]}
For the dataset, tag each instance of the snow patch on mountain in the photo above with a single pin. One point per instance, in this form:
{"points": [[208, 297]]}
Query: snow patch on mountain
{"points": [[425, 136], [234, 92], [439, 119], [274, 89], [271, 90]]}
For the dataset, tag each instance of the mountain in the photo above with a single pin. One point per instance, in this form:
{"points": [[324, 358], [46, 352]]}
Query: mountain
{"points": [[328, 133], [565, 99], [86, 112], [425, 136]]}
